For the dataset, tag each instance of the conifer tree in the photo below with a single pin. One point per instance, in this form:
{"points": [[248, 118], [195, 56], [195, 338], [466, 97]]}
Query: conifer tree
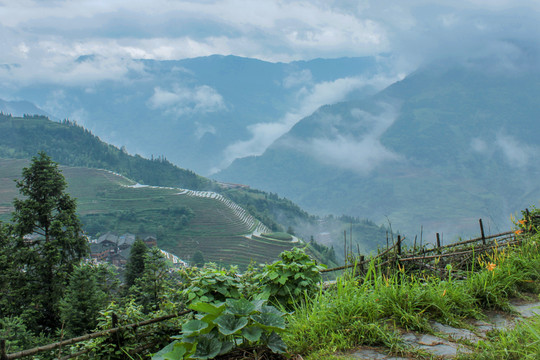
{"points": [[135, 264], [82, 300], [48, 243]]}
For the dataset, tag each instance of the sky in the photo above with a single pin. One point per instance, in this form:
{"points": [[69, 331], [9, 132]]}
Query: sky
{"points": [[41, 39], [83, 42]]}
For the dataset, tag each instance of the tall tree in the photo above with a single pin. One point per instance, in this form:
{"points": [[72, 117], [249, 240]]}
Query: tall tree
{"points": [[151, 286], [82, 300], [48, 240], [135, 264]]}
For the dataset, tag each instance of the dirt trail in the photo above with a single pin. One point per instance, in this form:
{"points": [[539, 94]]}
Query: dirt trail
{"points": [[449, 341]]}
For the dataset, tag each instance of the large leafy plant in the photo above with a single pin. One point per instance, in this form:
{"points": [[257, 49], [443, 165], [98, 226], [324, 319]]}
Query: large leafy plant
{"points": [[218, 328], [211, 284], [285, 280]]}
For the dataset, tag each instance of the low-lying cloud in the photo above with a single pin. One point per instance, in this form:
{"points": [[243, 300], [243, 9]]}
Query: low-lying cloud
{"points": [[516, 153], [360, 153], [310, 99], [181, 100]]}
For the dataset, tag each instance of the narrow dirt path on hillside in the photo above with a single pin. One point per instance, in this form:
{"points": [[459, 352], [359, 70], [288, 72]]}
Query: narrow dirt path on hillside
{"points": [[447, 341]]}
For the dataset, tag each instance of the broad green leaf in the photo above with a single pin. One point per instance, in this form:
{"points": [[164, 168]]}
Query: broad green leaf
{"points": [[276, 344], [173, 351], [226, 347], [207, 308], [258, 303], [282, 279], [269, 321], [272, 275], [240, 307], [252, 333], [271, 310], [193, 326], [229, 324], [209, 319], [208, 347]]}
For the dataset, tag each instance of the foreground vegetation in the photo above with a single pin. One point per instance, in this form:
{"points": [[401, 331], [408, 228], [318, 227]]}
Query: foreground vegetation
{"points": [[368, 312], [49, 292]]}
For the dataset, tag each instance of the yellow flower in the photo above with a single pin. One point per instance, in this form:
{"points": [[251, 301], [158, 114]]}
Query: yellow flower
{"points": [[444, 292], [522, 222], [517, 232], [491, 266]]}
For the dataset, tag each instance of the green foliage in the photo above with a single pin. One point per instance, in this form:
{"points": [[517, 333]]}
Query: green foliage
{"points": [[219, 328], [151, 288], [73, 145], [211, 284], [290, 278], [43, 262], [356, 312], [519, 343], [18, 337], [135, 264], [83, 299]]}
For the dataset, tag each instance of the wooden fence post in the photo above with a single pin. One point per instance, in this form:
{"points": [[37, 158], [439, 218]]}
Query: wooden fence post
{"points": [[399, 245], [482, 232], [438, 243], [345, 245]]}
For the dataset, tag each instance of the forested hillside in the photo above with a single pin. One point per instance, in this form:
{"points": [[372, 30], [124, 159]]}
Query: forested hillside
{"points": [[72, 145]]}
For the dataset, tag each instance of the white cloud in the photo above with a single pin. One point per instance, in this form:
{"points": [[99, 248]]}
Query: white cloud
{"points": [[202, 129], [299, 78], [50, 35], [361, 156], [310, 99], [516, 152], [182, 100], [361, 153], [478, 145]]}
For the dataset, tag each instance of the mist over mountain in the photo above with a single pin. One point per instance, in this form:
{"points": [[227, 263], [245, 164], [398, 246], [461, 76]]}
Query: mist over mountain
{"points": [[203, 113], [449, 144]]}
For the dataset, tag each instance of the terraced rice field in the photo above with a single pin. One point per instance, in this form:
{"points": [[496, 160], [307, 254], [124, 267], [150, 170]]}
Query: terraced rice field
{"points": [[219, 228]]}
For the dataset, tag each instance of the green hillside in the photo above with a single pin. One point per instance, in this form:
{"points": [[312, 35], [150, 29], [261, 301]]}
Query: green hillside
{"points": [[70, 144], [104, 205], [183, 221]]}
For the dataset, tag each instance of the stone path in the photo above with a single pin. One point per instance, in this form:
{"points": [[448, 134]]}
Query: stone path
{"points": [[449, 340]]}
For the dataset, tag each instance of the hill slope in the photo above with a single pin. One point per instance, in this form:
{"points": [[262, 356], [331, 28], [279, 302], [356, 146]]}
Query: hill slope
{"points": [[443, 147], [184, 221], [105, 203]]}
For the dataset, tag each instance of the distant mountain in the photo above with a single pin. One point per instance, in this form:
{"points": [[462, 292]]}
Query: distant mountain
{"points": [[20, 108], [204, 112], [445, 146]]}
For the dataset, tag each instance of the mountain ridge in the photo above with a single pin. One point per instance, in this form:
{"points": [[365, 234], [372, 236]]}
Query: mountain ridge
{"points": [[435, 147]]}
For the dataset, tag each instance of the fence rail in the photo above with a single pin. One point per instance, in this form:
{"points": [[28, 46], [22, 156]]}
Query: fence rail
{"points": [[394, 254], [60, 344]]}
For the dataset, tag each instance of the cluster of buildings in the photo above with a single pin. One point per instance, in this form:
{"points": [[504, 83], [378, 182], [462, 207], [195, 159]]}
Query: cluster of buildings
{"points": [[115, 249]]}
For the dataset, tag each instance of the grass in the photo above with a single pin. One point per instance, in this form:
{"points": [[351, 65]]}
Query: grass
{"points": [[522, 342], [368, 311]]}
